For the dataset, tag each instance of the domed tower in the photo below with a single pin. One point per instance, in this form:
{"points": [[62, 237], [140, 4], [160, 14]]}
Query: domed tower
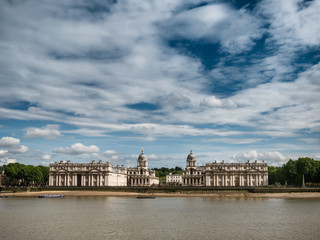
{"points": [[142, 161], [191, 160]]}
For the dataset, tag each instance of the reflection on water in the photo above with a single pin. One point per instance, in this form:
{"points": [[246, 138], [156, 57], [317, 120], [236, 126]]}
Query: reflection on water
{"points": [[160, 218]]}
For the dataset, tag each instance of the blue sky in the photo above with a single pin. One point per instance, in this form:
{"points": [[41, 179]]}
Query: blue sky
{"points": [[234, 80]]}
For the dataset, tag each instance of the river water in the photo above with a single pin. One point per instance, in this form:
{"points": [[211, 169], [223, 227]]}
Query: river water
{"points": [[160, 218]]}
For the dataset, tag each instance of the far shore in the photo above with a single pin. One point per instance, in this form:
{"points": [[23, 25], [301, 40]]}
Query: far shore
{"points": [[222, 194]]}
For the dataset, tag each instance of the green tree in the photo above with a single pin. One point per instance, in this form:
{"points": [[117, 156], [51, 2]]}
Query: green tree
{"points": [[275, 175], [32, 175], [307, 168], [290, 172], [45, 174], [14, 171]]}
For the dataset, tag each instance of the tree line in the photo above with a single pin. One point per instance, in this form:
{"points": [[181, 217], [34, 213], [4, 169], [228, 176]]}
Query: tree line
{"points": [[26, 175], [294, 171]]}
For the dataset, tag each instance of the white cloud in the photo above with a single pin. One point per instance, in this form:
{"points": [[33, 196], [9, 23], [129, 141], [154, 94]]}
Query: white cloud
{"points": [[3, 153], [50, 131], [77, 149], [70, 75], [293, 21], [9, 142], [236, 140], [110, 152], [270, 157], [152, 157], [213, 101], [234, 29], [46, 157], [6, 161], [19, 150]]}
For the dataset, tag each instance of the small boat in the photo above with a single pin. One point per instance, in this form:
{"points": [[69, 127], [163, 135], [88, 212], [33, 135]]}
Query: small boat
{"points": [[51, 196], [145, 197], [3, 196]]}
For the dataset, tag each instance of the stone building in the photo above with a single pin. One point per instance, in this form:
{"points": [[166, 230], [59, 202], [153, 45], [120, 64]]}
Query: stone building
{"points": [[194, 175], [142, 175], [225, 174], [101, 174], [4, 180], [91, 174], [236, 174], [174, 179]]}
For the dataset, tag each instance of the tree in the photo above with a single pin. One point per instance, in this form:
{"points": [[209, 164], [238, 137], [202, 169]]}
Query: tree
{"points": [[275, 175], [14, 171], [45, 173], [306, 168], [290, 172], [33, 175]]}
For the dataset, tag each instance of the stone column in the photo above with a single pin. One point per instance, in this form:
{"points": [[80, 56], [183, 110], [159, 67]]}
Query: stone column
{"points": [[67, 179], [50, 180], [231, 180]]}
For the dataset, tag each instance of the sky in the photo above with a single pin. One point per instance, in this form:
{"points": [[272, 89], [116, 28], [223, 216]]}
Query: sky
{"points": [[102, 79]]}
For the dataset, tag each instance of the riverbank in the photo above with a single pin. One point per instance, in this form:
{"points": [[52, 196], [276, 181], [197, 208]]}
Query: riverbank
{"points": [[217, 194]]}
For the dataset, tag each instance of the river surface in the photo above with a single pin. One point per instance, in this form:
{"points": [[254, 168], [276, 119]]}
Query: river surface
{"points": [[160, 218]]}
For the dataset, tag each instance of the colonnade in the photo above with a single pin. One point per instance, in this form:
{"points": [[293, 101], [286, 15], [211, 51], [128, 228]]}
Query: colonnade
{"points": [[138, 181], [192, 181], [90, 180], [235, 180]]}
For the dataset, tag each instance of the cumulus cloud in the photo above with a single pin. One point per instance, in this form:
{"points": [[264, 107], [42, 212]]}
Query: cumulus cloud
{"points": [[234, 29], [90, 85], [213, 101], [6, 161], [293, 22], [110, 152], [236, 140], [77, 149], [9, 142], [19, 150], [51, 131], [46, 157], [3, 153], [152, 157], [269, 157]]}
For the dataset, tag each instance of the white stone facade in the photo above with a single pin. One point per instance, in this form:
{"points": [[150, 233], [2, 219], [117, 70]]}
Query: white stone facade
{"points": [[141, 175], [92, 174], [101, 174], [174, 179], [225, 174]]}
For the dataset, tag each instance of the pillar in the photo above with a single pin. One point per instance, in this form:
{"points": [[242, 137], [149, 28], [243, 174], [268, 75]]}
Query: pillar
{"points": [[99, 180], [50, 180]]}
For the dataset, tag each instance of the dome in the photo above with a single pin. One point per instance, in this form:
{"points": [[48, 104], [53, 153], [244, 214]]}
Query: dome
{"points": [[142, 156], [191, 156], [142, 160]]}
